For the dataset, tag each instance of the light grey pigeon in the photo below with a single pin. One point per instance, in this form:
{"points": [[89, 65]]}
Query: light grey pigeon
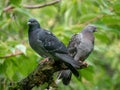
{"points": [[80, 47]]}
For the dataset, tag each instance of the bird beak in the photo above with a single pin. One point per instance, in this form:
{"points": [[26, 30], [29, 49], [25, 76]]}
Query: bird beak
{"points": [[29, 23]]}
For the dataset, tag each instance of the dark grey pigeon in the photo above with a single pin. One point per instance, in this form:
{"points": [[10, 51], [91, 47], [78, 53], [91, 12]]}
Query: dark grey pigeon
{"points": [[80, 47], [47, 45]]}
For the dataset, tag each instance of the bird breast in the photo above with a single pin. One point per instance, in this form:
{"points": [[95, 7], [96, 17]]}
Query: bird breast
{"points": [[36, 44], [86, 45]]}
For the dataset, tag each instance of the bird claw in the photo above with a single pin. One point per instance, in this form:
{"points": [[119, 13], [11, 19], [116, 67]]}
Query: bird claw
{"points": [[45, 60], [83, 64]]}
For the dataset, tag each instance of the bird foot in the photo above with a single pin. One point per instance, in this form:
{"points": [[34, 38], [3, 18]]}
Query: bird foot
{"points": [[45, 60], [85, 64]]}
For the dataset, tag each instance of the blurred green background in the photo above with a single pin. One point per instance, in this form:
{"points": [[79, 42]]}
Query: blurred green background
{"points": [[63, 19]]}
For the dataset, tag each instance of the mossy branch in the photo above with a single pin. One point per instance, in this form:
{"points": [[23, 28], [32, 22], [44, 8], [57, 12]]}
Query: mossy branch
{"points": [[42, 74]]}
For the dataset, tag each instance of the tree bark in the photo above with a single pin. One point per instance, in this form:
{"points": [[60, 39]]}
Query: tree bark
{"points": [[42, 74]]}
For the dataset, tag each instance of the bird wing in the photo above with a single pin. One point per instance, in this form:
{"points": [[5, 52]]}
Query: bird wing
{"points": [[73, 44], [51, 43]]}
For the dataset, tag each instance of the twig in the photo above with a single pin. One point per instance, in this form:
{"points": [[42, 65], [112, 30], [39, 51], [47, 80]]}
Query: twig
{"points": [[93, 19], [8, 8], [41, 5], [11, 55], [89, 21]]}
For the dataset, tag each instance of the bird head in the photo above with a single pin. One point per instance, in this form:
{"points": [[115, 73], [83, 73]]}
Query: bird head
{"points": [[90, 28], [33, 23]]}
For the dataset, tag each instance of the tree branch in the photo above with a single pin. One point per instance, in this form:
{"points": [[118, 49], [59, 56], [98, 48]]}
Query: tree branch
{"points": [[93, 19], [41, 5], [42, 74], [17, 52], [89, 21], [8, 8]]}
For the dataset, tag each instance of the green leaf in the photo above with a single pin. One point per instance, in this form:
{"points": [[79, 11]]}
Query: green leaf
{"points": [[1, 10], [1, 61], [16, 2], [87, 73], [9, 70], [22, 48], [23, 11]]}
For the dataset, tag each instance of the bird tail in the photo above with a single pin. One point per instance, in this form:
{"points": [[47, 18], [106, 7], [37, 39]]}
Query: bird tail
{"points": [[65, 75], [70, 62]]}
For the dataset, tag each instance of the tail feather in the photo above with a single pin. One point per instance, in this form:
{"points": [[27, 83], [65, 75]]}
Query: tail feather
{"points": [[68, 60], [66, 76]]}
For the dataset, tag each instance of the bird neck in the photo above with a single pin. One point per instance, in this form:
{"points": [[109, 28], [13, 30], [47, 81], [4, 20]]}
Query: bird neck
{"points": [[32, 28], [89, 36], [86, 31]]}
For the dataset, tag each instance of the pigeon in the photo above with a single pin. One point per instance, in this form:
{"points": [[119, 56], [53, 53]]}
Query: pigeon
{"points": [[80, 47], [46, 44]]}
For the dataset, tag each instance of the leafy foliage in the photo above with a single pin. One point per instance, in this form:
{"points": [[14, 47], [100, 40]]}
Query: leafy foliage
{"points": [[63, 19]]}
